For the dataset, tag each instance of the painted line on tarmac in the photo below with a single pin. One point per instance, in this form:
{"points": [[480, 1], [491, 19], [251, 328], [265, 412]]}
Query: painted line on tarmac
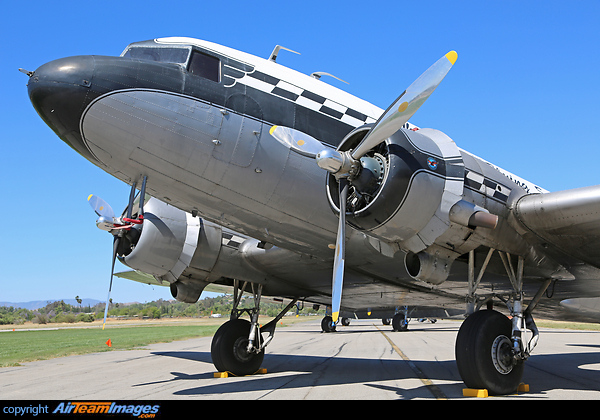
{"points": [[433, 388]]}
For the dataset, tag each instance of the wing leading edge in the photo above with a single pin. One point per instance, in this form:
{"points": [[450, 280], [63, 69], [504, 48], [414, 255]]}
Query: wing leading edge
{"points": [[569, 220]]}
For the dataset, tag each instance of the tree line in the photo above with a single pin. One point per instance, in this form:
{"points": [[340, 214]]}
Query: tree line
{"points": [[59, 311]]}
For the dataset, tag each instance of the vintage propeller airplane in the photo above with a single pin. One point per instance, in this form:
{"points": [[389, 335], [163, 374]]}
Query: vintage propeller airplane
{"points": [[254, 174]]}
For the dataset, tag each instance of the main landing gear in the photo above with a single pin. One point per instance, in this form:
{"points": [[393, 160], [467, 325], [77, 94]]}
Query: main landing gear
{"points": [[490, 348], [484, 353], [400, 321], [327, 324], [238, 346]]}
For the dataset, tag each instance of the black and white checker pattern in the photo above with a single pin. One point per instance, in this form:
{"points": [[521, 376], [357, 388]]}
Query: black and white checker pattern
{"points": [[486, 186], [231, 240], [269, 84]]}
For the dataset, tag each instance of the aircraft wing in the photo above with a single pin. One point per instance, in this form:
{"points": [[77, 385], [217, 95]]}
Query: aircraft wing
{"points": [[141, 277], [567, 220]]}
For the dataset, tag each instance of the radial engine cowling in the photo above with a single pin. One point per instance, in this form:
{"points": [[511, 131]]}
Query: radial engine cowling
{"points": [[174, 246], [406, 188], [404, 193]]}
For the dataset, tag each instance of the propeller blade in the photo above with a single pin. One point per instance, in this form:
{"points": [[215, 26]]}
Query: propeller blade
{"points": [[101, 207], [406, 105], [299, 142], [340, 254], [116, 242], [131, 198], [142, 197]]}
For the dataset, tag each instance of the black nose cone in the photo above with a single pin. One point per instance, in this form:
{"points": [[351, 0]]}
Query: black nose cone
{"points": [[60, 91]]}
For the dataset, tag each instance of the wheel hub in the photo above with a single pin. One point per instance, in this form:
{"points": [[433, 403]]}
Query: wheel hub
{"points": [[502, 355], [240, 350]]}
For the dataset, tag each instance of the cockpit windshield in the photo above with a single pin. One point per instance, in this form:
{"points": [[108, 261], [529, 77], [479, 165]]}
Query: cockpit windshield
{"points": [[195, 61], [161, 54]]}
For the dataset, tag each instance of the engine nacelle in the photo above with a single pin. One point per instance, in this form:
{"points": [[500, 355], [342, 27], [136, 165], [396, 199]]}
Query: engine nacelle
{"points": [[173, 246], [406, 189], [409, 193]]}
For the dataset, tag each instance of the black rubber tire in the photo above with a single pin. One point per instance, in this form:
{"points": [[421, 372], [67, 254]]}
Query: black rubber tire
{"points": [[473, 352], [399, 323], [327, 324], [228, 349]]}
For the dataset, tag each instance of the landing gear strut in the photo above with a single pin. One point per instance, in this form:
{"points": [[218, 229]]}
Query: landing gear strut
{"points": [[238, 345], [490, 348]]}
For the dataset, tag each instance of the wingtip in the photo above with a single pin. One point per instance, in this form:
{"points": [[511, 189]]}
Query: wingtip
{"points": [[452, 56]]}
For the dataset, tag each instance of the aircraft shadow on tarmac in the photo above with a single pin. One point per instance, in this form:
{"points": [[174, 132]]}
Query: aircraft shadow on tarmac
{"points": [[314, 371], [360, 329]]}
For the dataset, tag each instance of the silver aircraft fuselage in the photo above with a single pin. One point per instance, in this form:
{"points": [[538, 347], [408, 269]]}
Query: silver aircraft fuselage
{"points": [[205, 145]]}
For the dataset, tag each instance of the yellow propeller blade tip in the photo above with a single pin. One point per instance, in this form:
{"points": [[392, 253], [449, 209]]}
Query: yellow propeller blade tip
{"points": [[452, 56], [335, 316], [272, 129], [90, 197]]}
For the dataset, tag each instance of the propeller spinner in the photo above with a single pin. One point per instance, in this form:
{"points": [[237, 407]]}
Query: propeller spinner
{"points": [[346, 166]]}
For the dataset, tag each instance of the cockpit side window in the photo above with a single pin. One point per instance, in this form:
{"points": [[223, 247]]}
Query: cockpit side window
{"points": [[162, 54], [205, 66]]}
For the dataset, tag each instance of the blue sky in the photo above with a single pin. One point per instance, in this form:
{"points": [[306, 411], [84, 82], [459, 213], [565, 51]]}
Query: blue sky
{"points": [[523, 95]]}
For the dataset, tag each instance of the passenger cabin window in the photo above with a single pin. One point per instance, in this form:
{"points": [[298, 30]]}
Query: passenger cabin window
{"points": [[205, 66], [163, 55]]}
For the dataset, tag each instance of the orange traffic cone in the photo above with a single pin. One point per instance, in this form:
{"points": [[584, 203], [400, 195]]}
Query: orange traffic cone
{"points": [[108, 343]]}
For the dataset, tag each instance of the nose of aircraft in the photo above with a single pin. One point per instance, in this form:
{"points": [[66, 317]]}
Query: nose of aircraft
{"points": [[60, 91]]}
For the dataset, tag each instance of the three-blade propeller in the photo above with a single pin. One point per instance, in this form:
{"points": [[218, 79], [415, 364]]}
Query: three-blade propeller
{"points": [[345, 166], [108, 222]]}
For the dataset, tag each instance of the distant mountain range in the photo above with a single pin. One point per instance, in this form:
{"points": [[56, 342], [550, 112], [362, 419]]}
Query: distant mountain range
{"points": [[37, 304]]}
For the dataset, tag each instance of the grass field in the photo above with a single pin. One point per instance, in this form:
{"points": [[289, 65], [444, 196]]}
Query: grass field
{"points": [[25, 345], [567, 325]]}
